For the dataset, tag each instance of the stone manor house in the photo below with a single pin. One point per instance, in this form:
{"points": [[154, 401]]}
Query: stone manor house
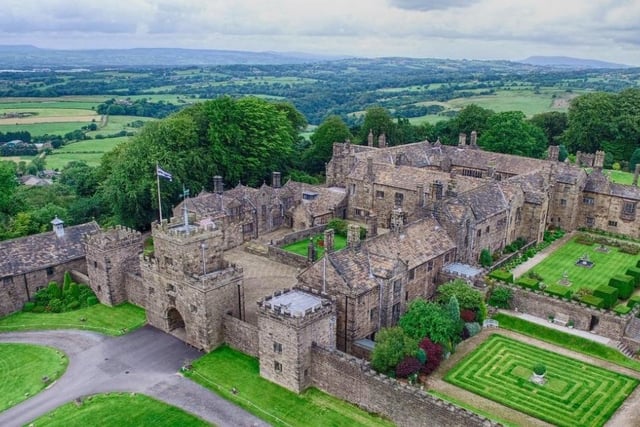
{"points": [[439, 206]]}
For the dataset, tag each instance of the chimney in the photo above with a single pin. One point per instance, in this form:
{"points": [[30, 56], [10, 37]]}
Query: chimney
{"points": [[218, 185], [554, 153], [58, 226], [329, 239], [397, 219], [436, 190], [370, 138], [635, 175], [598, 161], [420, 191], [353, 235], [372, 225], [382, 141], [474, 137], [462, 139], [275, 179]]}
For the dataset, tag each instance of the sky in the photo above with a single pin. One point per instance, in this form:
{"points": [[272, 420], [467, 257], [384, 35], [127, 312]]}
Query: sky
{"points": [[607, 30]]}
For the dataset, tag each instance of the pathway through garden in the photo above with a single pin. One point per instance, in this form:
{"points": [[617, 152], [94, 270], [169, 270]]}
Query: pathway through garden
{"points": [[537, 258]]}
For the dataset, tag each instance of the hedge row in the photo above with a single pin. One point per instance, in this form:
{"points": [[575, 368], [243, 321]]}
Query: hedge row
{"points": [[624, 284], [622, 309], [529, 283], [608, 294], [561, 291], [504, 275], [593, 300]]}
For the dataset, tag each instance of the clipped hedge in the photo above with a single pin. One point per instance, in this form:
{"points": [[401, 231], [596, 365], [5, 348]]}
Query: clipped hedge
{"points": [[624, 284], [633, 301], [593, 300], [529, 283], [609, 295], [504, 275], [635, 273], [561, 291], [622, 309]]}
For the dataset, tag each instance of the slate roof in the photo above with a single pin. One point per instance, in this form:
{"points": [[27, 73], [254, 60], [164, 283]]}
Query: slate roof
{"points": [[39, 251], [485, 201]]}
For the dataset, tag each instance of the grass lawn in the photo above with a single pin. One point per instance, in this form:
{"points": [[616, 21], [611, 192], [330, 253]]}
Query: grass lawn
{"points": [[300, 247], [564, 259], [119, 409], [97, 318], [22, 368], [572, 342], [619, 177], [576, 393], [225, 368]]}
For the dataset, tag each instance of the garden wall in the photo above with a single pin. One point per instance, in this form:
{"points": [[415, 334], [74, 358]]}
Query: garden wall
{"points": [[541, 305], [135, 290], [241, 335], [299, 235], [289, 258], [351, 379]]}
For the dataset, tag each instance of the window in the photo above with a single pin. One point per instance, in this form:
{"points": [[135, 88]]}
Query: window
{"points": [[352, 188], [399, 198], [412, 274], [247, 228], [372, 314], [487, 230], [430, 266], [277, 347], [406, 296], [591, 221], [171, 288], [586, 200], [95, 264], [49, 271], [563, 202], [395, 312], [629, 208], [263, 212], [7, 280], [277, 366], [502, 222], [359, 212], [446, 257], [479, 233], [612, 223], [397, 287], [379, 194]]}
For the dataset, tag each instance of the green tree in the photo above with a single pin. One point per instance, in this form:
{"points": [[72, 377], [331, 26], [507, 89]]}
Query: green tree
{"points": [[428, 319], [552, 123], [501, 297], [472, 118], [468, 298], [8, 185], [332, 129], [635, 159], [392, 345], [591, 119], [485, 258], [510, 133], [377, 120]]}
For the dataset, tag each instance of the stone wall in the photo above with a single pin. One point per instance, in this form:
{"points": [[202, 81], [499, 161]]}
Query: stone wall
{"points": [[541, 305], [351, 379], [299, 235], [241, 335], [286, 257], [137, 293]]}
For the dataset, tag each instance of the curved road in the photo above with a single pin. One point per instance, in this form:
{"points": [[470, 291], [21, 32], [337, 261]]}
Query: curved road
{"points": [[145, 361]]}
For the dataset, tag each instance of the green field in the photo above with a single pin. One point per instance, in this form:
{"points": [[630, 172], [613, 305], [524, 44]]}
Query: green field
{"points": [[49, 111], [576, 393], [225, 368], [619, 177], [301, 247], [119, 409], [98, 318], [564, 259], [36, 129], [22, 369], [89, 151]]}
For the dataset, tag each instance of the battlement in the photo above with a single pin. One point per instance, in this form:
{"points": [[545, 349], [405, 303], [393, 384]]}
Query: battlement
{"points": [[113, 238], [298, 303], [176, 231]]}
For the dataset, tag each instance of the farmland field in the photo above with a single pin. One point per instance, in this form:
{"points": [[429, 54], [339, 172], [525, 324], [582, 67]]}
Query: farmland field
{"points": [[89, 151], [575, 393]]}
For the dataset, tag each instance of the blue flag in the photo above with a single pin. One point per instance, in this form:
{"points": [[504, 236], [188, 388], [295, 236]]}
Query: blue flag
{"points": [[163, 173]]}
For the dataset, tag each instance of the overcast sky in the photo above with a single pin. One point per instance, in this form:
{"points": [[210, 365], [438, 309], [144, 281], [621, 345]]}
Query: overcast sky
{"points": [[475, 29]]}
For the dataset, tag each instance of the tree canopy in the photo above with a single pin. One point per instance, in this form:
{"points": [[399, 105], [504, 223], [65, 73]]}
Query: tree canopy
{"points": [[510, 133], [332, 129], [392, 345]]}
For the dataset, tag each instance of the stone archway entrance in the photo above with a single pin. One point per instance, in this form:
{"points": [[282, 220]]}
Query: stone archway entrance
{"points": [[175, 324]]}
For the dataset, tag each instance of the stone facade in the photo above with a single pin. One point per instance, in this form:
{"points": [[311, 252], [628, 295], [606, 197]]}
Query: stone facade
{"points": [[289, 322], [241, 335]]}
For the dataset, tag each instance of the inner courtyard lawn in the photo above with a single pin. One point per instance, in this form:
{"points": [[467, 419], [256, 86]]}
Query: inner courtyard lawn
{"points": [[98, 318], [576, 393], [300, 247], [119, 409], [606, 265], [225, 368], [23, 368]]}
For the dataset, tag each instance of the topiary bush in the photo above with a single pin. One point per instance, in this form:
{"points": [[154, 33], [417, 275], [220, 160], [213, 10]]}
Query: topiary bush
{"points": [[409, 365], [504, 275], [561, 291], [501, 297], [593, 301], [634, 300], [608, 294], [635, 273], [539, 369], [621, 309], [54, 290], [529, 283], [624, 284], [485, 258]]}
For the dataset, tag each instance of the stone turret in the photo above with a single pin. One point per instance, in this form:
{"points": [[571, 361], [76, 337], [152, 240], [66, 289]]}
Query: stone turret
{"points": [[462, 139], [473, 139], [276, 180], [353, 235], [382, 141], [218, 186], [554, 153], [370, 138], [598, 161]]}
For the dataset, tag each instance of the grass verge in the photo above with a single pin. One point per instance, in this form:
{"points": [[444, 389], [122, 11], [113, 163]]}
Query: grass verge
{"points": [[119, 409], [225, 368], [575, 393], [569, 341], [98, 318], [23, 368]]}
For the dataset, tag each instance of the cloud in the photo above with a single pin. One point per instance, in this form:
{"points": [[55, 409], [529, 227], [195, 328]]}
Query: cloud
{"points": [[422, 5]]}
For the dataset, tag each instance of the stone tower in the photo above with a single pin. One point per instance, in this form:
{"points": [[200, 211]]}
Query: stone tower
{"points": [[111, 255], [190, 286], [289, 322]]}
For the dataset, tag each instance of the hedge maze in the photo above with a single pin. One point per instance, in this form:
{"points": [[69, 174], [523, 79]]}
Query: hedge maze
{"points": [[576, 393]]}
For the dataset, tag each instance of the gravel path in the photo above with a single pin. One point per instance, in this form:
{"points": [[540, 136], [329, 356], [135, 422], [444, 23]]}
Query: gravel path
{"points": [[145, 361], [537, 258]]}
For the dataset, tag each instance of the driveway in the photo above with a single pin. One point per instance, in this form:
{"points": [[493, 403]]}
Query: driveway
{"points": [[145, 361]]}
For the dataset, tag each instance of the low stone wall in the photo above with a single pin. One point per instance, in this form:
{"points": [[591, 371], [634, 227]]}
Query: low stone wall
{"points": [[351, 379], [289, 258], [299, 235], [542, 305], [135, 289], [240, 335]]}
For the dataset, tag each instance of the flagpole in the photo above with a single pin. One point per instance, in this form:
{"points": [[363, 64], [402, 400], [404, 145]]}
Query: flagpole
{"points": [[159, 198]]}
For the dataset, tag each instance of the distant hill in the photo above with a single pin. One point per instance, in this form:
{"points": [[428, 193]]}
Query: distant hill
{"points": [[25, 56], [572, 63]]}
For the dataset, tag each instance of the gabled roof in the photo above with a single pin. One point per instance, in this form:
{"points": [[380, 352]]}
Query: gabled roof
{"points": [[32, 253], [485, 201]]}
